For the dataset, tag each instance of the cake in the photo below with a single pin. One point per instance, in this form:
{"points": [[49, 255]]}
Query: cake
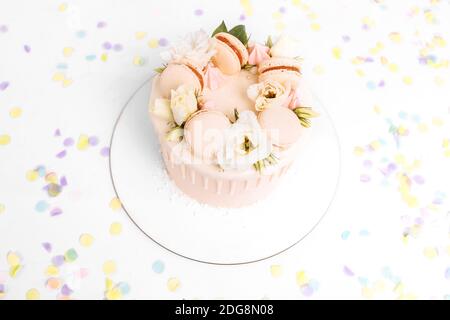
{"points": [[229, 114]]}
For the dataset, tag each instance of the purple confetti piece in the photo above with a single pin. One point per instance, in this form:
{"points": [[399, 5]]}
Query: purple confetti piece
{"points": [[63, 181], [101, 24], [419, 221], [58, 260], [107, 46], [307, 290], [57, 133], [93, 141], [348, 271], [47, 246], [3, 29], [68, 142], [282, 10], [27, 48], [55, 212], [364, 178], [163, 42], [198, 12], [418, 179], [66, 291], [61, 154], [105, 152], [4, 85], [346, 38], [381, 83], [117, 47], [242, 17], [392, 167], [367, 163], [2, 288], [447, 273]]}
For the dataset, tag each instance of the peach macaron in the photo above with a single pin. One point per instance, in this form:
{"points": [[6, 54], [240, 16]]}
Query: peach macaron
{"points": [[281, 70], [231, 54], [176, 74], [203, 133], [282, 126]]}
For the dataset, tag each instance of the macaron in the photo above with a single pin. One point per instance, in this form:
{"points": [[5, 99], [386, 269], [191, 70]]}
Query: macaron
{"points": [[176, 74], [281, 125], [281, 70], [203, 133], [231, 54]]}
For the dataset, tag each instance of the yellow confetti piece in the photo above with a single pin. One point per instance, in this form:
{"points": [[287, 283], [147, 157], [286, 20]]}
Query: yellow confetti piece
{"points": [[108, 284], [276, 271], [33, 294], [153, 43], [115, 204], [114, 294], [377, 109], [5, 140], [446, 143], [429, 17], [407, 80], [393, 67], [83, 142], [2, 208], [138, 61], [62, 7], [58, 76], [367, 293], [14, 270], [315, 26], [140, 35], [66, 82], [395, 37], [360, 73], [104, 57], [86, 240], [375, 145], [319, 70], [15, 112], [109, 267], [52, 271], [337, 53], [115, 229], [247, 6], [438, 122], [13, 259], [32, 175], [301, 278], [400, 159], [439, 41], [430, 252], [173, 284], [68, 51], [422, 127], [447, 153], [51, 177], [358, 151], [384, 60]]}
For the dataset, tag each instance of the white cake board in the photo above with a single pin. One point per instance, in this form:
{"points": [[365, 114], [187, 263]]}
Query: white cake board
{"points": [[211, 235]]}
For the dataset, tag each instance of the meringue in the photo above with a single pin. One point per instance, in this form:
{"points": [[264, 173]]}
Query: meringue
{"points": [[258, 53]]}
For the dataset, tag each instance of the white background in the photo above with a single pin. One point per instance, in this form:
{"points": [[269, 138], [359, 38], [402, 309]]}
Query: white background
{"points": [[334, 36]]}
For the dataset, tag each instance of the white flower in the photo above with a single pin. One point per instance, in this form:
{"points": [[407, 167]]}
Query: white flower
{"points": [[269, 94], [244, 144], [161, 108], [197, 47], [183, 103], [286, 47]]}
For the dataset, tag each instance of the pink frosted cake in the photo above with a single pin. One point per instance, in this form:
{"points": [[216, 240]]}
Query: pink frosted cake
{"points": [[229, 115]]}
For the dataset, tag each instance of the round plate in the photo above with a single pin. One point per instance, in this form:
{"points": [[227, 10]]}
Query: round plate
{"points": [[212, 235]]}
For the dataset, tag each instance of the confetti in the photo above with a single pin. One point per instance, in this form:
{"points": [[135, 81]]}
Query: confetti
{"points": [[115, 204], [345, 235], [173, 284], [15, 112], [86, 240], [41, 206], [2, 208], [71, 255], [109, 267], [4, 85], [276, 271], [33, 294], [158, 266], [5, 139], [115, 229]]}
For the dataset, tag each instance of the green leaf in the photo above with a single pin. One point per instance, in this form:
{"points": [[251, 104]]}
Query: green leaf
{"points": [[160, 69], [221, 28], [269, 42], [240, 33]]}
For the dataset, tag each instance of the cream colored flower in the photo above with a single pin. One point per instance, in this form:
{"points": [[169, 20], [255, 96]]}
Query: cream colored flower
{"points": [[196, 47], [286, 47], [183, 103], [161, 109], [269, 94], [244, 144]]}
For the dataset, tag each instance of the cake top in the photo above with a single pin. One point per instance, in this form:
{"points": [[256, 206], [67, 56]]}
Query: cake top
{"points": [[233, 104]]}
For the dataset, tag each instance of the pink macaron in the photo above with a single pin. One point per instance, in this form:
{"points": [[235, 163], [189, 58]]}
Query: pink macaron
{"points": [[231, 54], [203, 133], [176, 74], [280, 69], [282, 126]]}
